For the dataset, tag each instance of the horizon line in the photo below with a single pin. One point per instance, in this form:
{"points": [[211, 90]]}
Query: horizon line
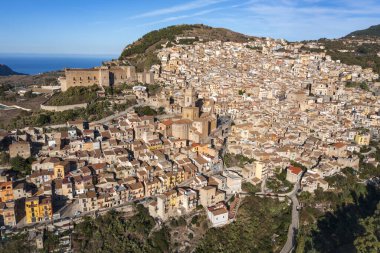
{"points": [[59, 54]]}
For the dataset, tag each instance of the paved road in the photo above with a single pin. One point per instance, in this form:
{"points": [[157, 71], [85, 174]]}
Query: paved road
{"points": [[114, 116], [294, 225], [104, 120]]}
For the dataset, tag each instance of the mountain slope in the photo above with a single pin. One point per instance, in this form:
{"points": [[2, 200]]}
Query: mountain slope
{"points": [[141, 52], [373, 31], [7, 71]]}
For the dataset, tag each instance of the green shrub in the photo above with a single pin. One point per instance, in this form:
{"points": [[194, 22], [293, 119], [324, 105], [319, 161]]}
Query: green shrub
{"points": [[194, 220]]}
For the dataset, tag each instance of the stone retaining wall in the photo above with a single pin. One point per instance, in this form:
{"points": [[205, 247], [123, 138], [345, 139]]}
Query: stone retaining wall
{"points": [[56, 108]]}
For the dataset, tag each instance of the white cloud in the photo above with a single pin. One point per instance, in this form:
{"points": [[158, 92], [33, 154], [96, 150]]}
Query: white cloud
{"points": [[197, 4], [174, 18]]}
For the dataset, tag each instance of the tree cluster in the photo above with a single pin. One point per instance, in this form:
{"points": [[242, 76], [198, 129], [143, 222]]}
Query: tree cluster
{"points": [[75, 95], [114, 233]]}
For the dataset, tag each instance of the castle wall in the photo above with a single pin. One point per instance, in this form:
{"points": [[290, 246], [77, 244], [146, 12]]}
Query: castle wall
{"points": [[145, 77], [105, 76], [80, 77]]}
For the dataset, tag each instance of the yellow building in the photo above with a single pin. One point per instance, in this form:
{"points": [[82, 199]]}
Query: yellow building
{"points": [[154, 144], [172, 179], [204, 149], [61, 169], [180, 176], [166, 206], [171, 199], [38, 209], [362, 139]]}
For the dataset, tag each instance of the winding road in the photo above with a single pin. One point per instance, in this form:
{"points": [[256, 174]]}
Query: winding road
{"points": [[294, 225], [104, 120]]}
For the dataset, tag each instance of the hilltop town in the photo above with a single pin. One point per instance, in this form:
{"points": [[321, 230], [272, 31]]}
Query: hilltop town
{"points": [[233, 116]]}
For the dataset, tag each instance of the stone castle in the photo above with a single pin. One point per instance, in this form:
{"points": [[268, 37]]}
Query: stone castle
{"points": [[104, 76]]}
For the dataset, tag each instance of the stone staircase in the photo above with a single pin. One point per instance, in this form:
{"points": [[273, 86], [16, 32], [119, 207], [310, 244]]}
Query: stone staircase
{"points": [[234, 207]]}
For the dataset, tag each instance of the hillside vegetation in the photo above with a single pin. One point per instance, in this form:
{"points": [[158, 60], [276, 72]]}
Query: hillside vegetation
{"points": [[113, 233], [75, 95], [141, 53], [364, 55], [261, 226], [372, 31], [94, 111]]}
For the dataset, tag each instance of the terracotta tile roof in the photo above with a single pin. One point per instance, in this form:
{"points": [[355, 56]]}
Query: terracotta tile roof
{"points": [[295, 170]]}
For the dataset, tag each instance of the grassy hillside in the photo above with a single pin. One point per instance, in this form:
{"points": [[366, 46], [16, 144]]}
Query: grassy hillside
{"points": [[141, 53]]}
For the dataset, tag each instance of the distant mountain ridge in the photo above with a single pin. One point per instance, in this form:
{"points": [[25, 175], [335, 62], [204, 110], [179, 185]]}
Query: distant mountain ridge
{"points": [[7, 71], [372, 31]]}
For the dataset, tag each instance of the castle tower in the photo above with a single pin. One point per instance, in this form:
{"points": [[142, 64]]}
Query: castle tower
{"points": [[190, 97]]}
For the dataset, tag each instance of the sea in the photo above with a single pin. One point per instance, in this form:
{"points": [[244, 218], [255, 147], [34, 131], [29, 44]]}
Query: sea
{"points": [[33, 64]]}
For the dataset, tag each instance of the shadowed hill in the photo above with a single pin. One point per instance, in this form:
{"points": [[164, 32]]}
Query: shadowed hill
{"points": [[7, 71]]}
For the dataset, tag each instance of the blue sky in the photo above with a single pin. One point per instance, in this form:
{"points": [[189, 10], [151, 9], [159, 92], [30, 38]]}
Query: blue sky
{"points": [[104, 27]]}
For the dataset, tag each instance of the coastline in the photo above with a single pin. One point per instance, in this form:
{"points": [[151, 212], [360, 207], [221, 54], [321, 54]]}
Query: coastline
{"points": [[35, 64]]}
